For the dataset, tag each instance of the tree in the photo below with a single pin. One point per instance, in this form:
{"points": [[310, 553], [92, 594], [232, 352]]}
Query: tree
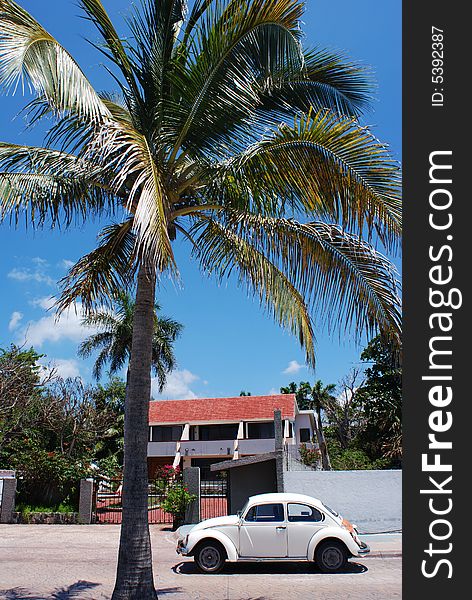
{"points": [[228, 134], [114, 337], [21, 383], [49, 428], [110, 398], [344, 411], [316, 398], [381, 395]]}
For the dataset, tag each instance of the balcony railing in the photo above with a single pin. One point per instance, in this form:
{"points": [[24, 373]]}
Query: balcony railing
{"points": [[215, 447], [259, 446], [207, 448], [161, 448]]}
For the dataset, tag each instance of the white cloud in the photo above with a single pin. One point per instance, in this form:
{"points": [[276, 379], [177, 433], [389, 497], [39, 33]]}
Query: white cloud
{"points": [[177, 386], [49, 329], [66, 264], [63, 367], [293, 367], [14, 320], [28, 275], [41, 262], [47, 302], [273, 392]]}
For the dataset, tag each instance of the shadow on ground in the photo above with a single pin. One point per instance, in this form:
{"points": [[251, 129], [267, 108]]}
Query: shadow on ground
{"points": [[75, 591], [189, 568]]}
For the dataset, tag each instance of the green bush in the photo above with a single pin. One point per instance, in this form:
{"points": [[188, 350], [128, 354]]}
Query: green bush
{"points": [[309, 456], [177, 499], [28, 509]]}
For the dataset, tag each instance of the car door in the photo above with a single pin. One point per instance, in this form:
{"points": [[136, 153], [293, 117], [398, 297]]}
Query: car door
{"points": [[303, 521], [263, 532]]}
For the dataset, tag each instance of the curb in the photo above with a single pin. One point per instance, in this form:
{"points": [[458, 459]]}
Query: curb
{"points": [[380, 554]]}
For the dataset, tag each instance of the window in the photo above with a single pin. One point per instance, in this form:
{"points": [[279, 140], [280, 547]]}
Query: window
{"points": [[266, 513], [304, 435], [303, 512], [219, 432], [206, 474], [261, 431], [166, 433]]}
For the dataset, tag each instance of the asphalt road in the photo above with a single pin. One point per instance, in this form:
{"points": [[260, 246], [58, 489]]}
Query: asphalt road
{"points": [[51, 562]]}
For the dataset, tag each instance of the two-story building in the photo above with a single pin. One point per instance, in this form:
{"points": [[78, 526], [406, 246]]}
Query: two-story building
{"points": [[203, 431]]}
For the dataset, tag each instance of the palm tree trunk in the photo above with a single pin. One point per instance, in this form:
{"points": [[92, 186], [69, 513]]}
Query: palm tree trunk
{"points": [[325, 461], [134, 578]]}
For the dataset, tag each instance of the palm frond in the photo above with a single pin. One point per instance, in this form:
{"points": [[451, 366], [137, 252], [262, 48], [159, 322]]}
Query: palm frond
{"points": [[129, 154], [114, 48], [100, 340], [235, 46], [221, 251], [347, 282], [43, 184], [28, 52], [325, 166], [98, 276], [327, 80]]}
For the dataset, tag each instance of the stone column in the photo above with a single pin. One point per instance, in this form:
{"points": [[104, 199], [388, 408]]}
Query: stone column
{"points": [[8, 500], [279, 453], [85, 501], [192, 483]]}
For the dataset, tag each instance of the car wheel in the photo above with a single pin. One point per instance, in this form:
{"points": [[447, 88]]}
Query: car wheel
{"points": [[331, 556], [210, 557]]}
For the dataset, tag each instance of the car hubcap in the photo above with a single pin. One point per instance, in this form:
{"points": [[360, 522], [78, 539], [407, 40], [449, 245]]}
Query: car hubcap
{"points": [[210, 558], [332, 558]]}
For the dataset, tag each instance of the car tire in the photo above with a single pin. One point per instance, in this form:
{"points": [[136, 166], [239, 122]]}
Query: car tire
{"points": [[210, 557], [331, 556]]}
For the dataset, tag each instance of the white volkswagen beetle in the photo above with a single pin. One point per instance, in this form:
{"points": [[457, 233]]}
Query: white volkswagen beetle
{"points": [[273, 527]]}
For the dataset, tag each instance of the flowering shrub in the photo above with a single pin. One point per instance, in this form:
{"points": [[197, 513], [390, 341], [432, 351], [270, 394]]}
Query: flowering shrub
{"points": [[309, 456], [165, 477], [177, 499]]}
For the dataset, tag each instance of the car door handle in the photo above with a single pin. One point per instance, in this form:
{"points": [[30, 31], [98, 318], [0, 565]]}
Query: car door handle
{"points": [[280, 528]]}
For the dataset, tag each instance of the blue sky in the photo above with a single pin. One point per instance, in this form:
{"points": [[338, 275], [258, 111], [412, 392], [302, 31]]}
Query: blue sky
{"points": [[228, 344]]}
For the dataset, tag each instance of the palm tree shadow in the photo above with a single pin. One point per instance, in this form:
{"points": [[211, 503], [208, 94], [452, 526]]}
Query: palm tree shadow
{"points": [[71, 592], [281, 568]]}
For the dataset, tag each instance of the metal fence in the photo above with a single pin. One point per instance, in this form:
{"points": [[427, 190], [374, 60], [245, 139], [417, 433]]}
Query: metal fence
{"points": [[107, 503], [213, 498]]}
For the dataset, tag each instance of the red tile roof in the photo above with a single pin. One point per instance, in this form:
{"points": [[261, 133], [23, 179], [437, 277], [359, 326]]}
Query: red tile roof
{"points": [[236, 409]]}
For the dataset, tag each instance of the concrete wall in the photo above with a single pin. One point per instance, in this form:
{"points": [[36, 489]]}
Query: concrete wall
{"points": [[370, 499], [302, 421], [258, 478]]}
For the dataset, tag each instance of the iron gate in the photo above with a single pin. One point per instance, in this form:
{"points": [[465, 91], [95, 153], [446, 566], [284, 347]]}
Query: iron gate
{"points": [[107, 506], [213, 498]]}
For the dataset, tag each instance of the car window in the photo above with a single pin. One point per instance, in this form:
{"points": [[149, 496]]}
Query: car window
{"points": [[266, 513], [303, 512], [332, 511]]}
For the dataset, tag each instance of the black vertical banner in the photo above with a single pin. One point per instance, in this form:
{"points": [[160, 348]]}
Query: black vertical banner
{"points": [[437, 329]]}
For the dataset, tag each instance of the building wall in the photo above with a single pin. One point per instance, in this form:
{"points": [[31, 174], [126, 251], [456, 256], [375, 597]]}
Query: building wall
{"points": [[370, 499], [302, 422], [258, 478]]}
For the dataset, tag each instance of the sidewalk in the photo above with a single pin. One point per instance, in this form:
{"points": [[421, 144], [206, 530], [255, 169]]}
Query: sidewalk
{"points": [[48, 562], [383, 545]]}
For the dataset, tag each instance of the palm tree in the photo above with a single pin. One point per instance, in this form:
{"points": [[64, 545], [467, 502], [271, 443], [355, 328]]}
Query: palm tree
{"points": [[228, 134], [321, 395], [316, 398], [114, 338]]}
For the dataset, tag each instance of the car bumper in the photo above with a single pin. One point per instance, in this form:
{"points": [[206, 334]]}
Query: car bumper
{"points": [[182, 549], [363, 549]]}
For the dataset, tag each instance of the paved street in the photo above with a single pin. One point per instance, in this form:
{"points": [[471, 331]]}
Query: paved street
{"points": [[53, 562]]}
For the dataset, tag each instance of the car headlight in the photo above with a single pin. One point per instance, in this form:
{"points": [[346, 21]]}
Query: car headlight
{"points": [[348, 525], [352, 530]]}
